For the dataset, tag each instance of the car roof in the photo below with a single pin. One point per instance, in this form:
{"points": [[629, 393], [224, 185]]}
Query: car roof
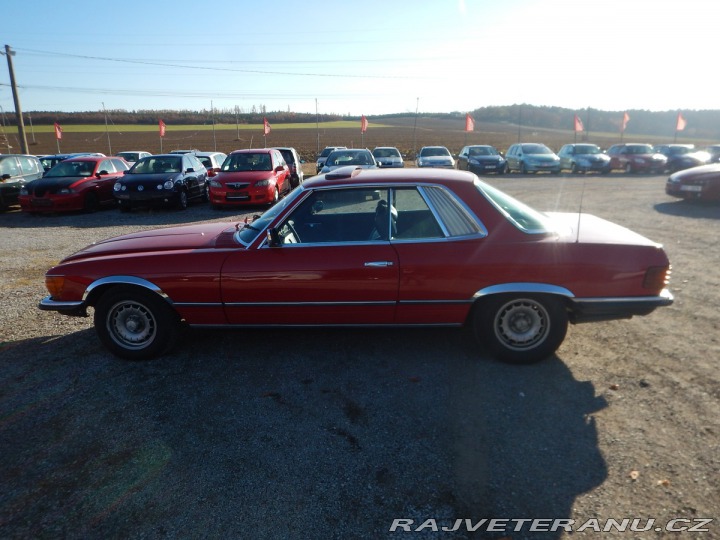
{"points": [[351, 175], [253, 151]]}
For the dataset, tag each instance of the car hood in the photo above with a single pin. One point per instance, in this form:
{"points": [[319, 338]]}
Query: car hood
{"points": [[138, 178], [57, 181], [492, 159], [242, 176], [590, 229], [187, 237], [711, 171]]}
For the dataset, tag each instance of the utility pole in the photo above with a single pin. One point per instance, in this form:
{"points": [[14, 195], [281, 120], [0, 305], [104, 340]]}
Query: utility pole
{"points": [[107, 131], [18, 112]]}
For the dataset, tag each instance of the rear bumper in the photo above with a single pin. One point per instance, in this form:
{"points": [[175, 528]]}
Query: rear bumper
{"points": [[605, 309]]}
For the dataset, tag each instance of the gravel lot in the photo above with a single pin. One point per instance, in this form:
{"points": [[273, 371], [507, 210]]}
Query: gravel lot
{"points": [[334, 434]]}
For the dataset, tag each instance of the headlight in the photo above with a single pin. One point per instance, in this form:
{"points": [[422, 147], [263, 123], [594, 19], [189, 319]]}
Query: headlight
{"points": [[24, 191], [215, 184], [118, 187], [65, 191], [263, 183], [169, 184]]}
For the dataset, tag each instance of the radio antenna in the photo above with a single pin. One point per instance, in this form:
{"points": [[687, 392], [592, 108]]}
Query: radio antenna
{"points": [[582, 195]]}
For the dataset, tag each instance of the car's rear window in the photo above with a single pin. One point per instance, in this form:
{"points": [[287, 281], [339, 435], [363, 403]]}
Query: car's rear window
{"points": [[522, 216]]}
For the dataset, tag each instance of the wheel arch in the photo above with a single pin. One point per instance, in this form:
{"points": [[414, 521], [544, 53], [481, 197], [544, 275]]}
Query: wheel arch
{"points": [[523, 288], [97, 288]]}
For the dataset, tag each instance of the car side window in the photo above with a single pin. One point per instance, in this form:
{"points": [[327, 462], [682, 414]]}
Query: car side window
{"points": [[9, 166], [413, 218], [28, 165], [335, 216]]}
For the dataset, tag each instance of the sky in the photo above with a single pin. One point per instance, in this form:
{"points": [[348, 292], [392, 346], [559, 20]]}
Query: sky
{"points": [[371, 57]]}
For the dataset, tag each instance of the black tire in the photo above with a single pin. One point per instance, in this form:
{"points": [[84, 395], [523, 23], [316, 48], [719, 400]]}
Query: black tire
{"points": [[91, 202], [206, 193], [276, 196], [135, 324], [575, 169], [521, 328], [182, 202], [523, 168], [629, 168]]}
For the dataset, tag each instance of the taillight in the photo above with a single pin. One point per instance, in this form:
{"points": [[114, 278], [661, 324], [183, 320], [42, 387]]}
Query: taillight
{"points": [[54, 285], [657, 278]]}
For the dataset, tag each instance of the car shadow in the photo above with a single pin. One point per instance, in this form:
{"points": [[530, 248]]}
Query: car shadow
{"points": [[691, 209], [278, 432]]}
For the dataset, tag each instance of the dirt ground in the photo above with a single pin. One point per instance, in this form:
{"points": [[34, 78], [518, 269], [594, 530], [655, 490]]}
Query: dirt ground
{"points": [[337, 434]]}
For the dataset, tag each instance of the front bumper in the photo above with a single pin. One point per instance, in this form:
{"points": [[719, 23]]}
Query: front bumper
{"points": [[76, 309]]}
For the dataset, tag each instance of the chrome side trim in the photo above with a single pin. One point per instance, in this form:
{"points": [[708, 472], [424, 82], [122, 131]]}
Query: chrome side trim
{"points": [[539, 288], [304, 304], [422, 302], [49, 304], [328, 325]]}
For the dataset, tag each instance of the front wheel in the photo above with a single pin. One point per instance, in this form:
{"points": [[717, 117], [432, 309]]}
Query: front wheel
{"points": [[135, 324], [182, 202], [521, 329]]}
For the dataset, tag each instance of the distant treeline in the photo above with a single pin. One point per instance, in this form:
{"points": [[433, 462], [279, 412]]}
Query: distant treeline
{"points": [[700, 124]]}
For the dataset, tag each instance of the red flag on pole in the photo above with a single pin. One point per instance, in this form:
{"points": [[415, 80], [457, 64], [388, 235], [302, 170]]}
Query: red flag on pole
{"points": [[625, 120], [681, 123], [469, 123], [161, 125], [58, 131], [578, 124], [266, 126], [363, 124]]}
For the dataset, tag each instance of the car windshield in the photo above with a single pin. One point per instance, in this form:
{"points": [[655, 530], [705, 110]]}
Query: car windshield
{"points": [[72, 168], [246, 234], [157, 165], [386, 152], [536, 149], [247, 161], [482, 151], [348, 157], [434, 151], [640, 149], [525, 218], [129, 156], [587, 149], [326, 152]]}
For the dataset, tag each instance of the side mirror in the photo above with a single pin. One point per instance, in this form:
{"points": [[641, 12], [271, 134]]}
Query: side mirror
{"points": [[6, 176], [273, 238]]}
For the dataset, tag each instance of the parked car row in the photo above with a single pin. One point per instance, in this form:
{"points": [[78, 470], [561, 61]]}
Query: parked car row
{"points": [[87, 181]]}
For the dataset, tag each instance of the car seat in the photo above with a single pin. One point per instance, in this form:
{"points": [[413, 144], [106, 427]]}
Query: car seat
{"points": [[380, 228]]}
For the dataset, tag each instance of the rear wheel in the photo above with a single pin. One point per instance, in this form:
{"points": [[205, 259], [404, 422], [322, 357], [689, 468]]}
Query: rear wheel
{"points": [[135, 324], [521, 329]]}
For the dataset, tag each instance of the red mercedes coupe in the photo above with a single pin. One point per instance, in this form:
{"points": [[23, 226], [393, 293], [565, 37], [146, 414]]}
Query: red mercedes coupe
{"points": [[363, 247]]}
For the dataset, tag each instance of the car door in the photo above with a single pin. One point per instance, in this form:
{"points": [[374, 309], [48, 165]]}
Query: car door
{"points": [[462, 159], [192, 169], [327, 268], [438, 262]]}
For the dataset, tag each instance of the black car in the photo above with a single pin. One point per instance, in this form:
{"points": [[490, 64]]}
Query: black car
{"points": [[166, 179], [15, 171], [682, 156], [481, 159]]}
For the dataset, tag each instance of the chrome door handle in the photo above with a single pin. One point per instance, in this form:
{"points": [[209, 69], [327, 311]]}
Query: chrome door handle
{"points": [[376, 264]]}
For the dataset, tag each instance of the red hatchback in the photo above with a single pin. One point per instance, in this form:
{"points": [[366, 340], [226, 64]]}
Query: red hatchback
{"points": [[250, 177], [383, 247], [82, 183]]}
